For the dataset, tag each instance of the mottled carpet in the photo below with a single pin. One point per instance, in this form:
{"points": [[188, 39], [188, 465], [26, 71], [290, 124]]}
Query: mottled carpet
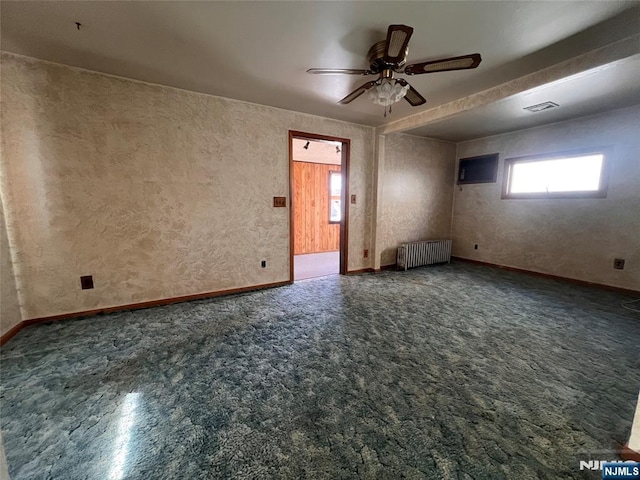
{"points": [[447, 372]]}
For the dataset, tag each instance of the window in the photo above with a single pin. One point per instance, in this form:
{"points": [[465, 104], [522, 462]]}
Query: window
{"points": [[572, 174], [335, 194]]}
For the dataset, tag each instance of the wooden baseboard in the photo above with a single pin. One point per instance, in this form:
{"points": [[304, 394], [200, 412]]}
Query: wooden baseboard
{"points": [[387, 268], [392, 266], [627, 454], [135, 306], [13, 331], [549, 275], [362, 270]]}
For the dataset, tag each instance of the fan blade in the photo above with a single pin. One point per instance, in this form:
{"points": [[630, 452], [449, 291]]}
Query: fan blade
{"points": [[446, 64], [357, 92], [339, 71], [397, 40], [412, 96]]}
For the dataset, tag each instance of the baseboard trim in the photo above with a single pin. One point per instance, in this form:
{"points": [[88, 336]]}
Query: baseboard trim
{"points": [[627, 454], [13, 331], [362, 270], [549, 275], [386, 268], [136, 306], [391, 266]]}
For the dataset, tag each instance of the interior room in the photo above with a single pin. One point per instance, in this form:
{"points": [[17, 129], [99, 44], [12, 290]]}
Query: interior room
{"points": [[317, 207], [319, 239]]}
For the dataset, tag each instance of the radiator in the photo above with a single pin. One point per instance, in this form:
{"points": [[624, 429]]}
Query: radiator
{"points": [[427, 252]]}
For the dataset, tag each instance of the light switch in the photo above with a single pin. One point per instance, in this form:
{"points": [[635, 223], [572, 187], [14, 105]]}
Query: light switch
{"points": [[353, 199]]}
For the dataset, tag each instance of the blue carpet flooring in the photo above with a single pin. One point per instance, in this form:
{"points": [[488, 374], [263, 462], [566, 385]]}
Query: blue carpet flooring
{"points": [[447, 372]]}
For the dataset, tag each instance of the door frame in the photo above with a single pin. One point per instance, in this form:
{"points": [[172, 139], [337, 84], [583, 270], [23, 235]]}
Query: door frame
{"points": [[345, 151]]}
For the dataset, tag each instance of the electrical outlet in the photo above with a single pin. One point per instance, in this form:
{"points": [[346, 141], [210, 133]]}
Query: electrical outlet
{"points": [[86, 282], [263, 264], [366, 253], [618, 263], [475, 247]]}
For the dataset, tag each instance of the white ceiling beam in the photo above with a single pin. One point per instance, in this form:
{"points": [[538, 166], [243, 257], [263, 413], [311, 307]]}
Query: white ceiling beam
{"points": [[613, 52]]}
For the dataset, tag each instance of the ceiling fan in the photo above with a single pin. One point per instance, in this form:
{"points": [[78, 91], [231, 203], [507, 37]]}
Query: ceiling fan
{"points": [[386, 58]]}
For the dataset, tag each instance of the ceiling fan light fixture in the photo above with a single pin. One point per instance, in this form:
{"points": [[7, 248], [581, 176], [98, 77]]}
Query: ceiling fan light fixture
{"points": [[388, 92], [388, 57]]}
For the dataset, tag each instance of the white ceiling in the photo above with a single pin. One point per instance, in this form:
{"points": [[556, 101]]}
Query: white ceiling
{"points": [[260, 51], [615, 85], [316, 151]]}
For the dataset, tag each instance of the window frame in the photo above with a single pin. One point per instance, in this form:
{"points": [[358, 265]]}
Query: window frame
{"points": [[331, 198], [605, 151]]}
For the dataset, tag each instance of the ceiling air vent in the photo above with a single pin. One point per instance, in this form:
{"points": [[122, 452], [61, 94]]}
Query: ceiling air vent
{"points": [[541, 106]]}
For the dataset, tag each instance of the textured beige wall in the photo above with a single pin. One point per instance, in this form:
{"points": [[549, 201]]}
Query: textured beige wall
{"points": [[156, 192], [575, 238], [9, 304], [416, 192]]}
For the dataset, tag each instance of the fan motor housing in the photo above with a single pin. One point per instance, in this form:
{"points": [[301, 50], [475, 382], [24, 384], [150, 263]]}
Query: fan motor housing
{"points": [[375, 57]]}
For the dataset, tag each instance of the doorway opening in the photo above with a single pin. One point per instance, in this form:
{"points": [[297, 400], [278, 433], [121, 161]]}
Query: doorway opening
{"points": [[318, 183]]}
